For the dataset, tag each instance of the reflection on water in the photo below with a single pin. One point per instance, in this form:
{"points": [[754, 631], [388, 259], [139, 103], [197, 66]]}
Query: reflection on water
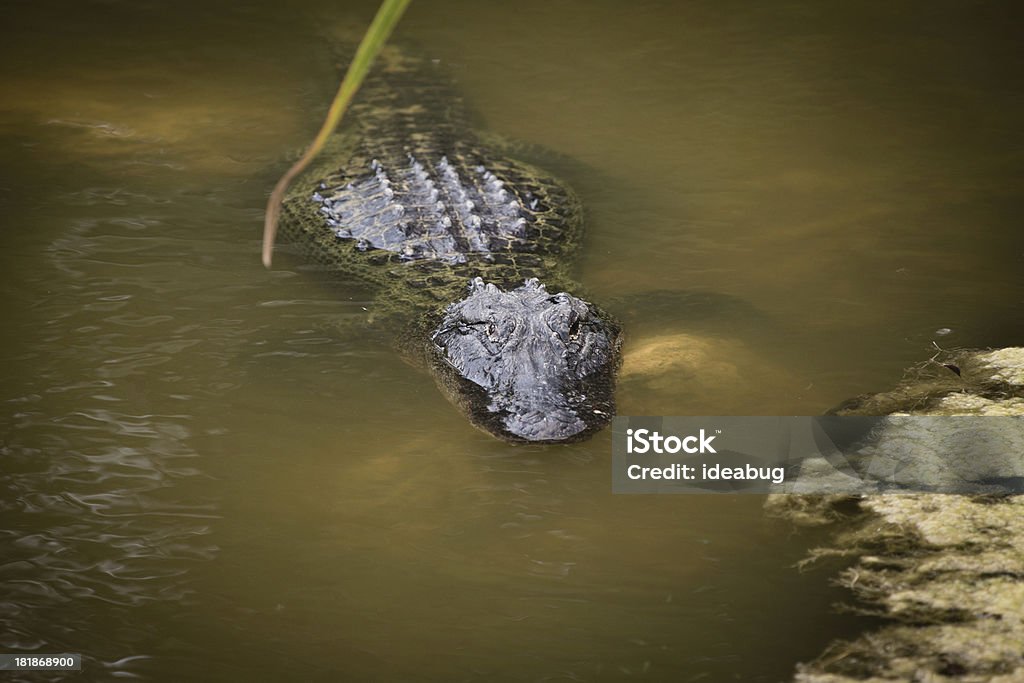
{"points": [[202, 479]]}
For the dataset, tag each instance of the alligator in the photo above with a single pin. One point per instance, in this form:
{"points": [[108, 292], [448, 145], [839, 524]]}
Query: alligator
{"points": [[469, 249]]}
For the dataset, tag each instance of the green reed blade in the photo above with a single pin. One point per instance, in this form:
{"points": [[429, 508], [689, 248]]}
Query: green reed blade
{"points": [[383, 24]]}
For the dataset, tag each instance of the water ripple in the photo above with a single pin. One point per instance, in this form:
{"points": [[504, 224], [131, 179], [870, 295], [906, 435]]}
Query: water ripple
{"points": [[101, 509]]}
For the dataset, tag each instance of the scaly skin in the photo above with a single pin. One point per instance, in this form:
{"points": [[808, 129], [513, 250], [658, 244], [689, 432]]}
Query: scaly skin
{"points": [[411, 200]]}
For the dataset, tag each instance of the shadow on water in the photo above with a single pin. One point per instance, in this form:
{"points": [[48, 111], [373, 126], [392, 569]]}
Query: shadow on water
{"points": [[201, 480]]}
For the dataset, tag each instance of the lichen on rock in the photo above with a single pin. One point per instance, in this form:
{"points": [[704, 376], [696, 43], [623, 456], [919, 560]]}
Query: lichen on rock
{"points": [[948, 570]]}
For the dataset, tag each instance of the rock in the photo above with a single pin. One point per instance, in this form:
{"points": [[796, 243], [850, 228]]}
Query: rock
{"points": [[953, 383], [683, 373], [947, 569]]}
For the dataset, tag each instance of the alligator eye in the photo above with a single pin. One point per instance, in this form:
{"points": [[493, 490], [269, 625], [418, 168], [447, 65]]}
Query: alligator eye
{"points": [[491, 330]]}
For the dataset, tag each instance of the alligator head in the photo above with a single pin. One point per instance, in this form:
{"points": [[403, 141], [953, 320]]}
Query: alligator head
{"points": [[526, 365]]}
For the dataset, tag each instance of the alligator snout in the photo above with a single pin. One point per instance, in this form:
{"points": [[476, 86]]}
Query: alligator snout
{"points": [[557, 425]]}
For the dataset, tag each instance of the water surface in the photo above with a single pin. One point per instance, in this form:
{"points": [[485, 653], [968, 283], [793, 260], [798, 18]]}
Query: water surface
{"points": [[202, 480]]}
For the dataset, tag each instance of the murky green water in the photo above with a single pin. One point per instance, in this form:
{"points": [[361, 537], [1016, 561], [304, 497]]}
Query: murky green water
{"points": [[200, 482]]}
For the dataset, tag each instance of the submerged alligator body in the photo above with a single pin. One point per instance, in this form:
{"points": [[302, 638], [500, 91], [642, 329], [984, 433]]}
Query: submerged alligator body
{"points": [[469, 249]]}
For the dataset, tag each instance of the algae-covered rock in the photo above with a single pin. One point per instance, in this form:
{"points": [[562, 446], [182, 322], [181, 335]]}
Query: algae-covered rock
{"points": [[931, 439], [953, 383], [950, 570], [947, 569]]}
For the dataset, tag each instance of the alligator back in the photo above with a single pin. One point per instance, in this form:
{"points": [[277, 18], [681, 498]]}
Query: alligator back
{"points": [[409, 197]]}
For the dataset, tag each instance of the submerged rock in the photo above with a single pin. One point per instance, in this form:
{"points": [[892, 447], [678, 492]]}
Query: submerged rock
{"points": [[947, 569], [681, 373]]}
